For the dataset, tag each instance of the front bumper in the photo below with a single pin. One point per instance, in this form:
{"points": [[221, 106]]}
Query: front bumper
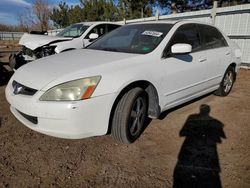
{"points": [[73, 120]]}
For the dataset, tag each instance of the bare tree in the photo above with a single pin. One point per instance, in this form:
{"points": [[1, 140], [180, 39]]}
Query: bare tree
{"points": [[35, 18], [26, 20], [42, 12]]}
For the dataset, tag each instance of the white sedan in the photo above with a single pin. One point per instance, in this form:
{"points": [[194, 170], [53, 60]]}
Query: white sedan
{"points": [[134, 72]]}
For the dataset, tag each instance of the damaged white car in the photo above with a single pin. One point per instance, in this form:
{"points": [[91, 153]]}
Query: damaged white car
{"points": [[35, 46]]}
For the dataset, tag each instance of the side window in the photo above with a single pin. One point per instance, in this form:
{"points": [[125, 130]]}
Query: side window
{"points": [[111, 27], [211, 37], [99, 29], [185, 34]]}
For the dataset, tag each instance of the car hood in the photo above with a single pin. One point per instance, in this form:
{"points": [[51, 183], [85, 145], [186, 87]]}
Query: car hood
{"points": [[68, 66], [33, 41]]}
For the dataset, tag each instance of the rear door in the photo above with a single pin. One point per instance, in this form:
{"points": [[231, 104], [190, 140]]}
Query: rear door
{"points": [[218, 54]]}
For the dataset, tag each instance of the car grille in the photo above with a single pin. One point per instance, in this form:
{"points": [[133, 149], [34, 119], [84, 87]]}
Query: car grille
{"points": [[21, 89], [32, 119], [27, 51]]}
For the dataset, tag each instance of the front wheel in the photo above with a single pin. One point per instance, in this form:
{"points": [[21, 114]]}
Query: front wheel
{"points": [[227, 82], [129, 116]]}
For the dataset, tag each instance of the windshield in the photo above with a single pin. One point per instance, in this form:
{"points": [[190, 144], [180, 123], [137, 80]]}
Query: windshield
{"points": [[74, 31], [139, 38]]}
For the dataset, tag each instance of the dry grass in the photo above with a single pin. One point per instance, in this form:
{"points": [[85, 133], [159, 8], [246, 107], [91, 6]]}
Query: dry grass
{"points": [[8, 44]]}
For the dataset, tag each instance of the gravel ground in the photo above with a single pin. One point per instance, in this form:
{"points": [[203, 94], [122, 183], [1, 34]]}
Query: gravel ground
{"points": [[186, 148]]}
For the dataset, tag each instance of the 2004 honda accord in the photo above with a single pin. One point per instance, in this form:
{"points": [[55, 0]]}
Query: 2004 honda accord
{"points": [[134, 72]]}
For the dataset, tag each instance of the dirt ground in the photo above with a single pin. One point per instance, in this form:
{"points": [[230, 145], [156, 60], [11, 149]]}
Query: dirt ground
{"points": [[185, 148]]}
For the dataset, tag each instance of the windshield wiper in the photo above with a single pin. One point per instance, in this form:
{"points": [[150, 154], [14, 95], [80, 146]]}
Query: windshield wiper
{"points": [[66, 36], [110, 49]]}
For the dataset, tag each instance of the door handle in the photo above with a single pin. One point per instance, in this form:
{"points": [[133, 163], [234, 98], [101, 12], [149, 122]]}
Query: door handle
{"points": [[201, 59], [228, 53]]}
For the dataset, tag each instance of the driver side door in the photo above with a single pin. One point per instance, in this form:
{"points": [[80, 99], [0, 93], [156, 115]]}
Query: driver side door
{"points": [[183, 74]]}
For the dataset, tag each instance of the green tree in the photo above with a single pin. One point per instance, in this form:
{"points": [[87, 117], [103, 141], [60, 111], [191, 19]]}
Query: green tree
{"points": [[76, 14], [111, 12], [60, 15], [132, 9], [99, 10]]}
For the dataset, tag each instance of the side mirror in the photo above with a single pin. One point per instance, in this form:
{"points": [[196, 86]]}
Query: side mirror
{"points": [[181, 48], [93, 36]]}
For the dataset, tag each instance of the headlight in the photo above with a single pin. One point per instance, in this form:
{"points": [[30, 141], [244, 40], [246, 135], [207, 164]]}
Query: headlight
{"points": [[71, 91]]}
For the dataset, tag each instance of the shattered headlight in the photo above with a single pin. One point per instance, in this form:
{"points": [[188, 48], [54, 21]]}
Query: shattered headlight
{"points": [[48, 50], [45, 51]]}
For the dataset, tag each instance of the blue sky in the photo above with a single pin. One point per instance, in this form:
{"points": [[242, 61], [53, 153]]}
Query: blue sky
{"points": [[10, 9]]}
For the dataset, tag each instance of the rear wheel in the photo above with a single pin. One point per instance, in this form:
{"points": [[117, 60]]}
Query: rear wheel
{"points": [[227, 82], [129, 116]]}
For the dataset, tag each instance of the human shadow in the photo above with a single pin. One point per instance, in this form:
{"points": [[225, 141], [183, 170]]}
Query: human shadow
{"points": [[198, 161]]}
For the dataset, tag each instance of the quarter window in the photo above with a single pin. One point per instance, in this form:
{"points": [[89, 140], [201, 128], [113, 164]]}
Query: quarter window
{"points": [[211, 37]]}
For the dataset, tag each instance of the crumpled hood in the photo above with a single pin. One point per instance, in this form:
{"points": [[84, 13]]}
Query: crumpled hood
{"points": [[68, 66], [33, 41]]}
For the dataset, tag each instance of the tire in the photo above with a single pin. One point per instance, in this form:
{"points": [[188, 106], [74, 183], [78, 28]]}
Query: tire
{"points": [[129, 116], [227, 82]]}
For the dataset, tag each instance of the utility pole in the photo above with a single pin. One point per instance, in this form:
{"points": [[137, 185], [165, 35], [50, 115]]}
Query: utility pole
{"points": [[213, 12], [124, 12], [157, 15]]}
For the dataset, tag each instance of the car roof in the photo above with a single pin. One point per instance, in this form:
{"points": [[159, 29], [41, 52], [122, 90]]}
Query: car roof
{"points": [[96, 23], [172, 21], [156, 22]]}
